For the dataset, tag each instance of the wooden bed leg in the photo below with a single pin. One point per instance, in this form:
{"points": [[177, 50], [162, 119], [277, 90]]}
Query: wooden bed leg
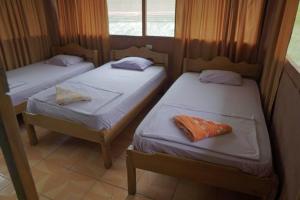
{"points": [[272, 193], [105, 147], [31, 134], [273, 190], [131, 176]]}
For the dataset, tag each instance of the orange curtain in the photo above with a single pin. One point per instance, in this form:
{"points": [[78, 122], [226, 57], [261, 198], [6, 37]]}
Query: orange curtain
{"points": [[278, 29], [84, 22], [24, 37], [208, 28]]}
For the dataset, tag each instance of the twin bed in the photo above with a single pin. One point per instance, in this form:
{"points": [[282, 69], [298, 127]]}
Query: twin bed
{"points": [[240, 161], [117, 95], [31, 79]]}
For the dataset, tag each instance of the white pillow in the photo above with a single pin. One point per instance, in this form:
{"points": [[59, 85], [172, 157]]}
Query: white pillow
{"points": [[64, 60], [221, 77], [132, 63]]}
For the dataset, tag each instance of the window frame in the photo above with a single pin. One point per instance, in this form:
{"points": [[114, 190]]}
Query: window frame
{"points": [[144, 24], [290, 59]]}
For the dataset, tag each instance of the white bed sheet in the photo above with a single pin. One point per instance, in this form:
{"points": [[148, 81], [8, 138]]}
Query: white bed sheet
{"points": [[229, 100], [241, 142], [133, 86], [31, 79]]}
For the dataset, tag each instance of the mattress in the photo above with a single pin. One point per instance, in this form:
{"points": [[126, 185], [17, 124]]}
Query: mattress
{"points": [[114, 93], [234, 101], [31, 79]]}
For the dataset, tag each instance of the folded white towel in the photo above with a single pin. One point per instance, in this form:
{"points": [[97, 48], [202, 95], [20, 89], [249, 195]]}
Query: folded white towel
{"points": [[66, 96]]}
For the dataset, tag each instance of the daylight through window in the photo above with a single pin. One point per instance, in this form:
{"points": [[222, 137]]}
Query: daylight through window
{"points": [[126, 17], [160, 17], [294, 47]]}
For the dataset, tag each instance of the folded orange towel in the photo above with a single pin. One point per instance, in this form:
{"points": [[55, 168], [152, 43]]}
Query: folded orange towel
{"points": [[196, 128]]}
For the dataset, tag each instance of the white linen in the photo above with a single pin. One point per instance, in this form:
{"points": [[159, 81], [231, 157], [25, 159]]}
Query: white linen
{"points": [[241, 142], [31, 79], [221, 77], [133, 86], [99, 97], [15, 83], [64, 60], [243, 101], [133, 63]]}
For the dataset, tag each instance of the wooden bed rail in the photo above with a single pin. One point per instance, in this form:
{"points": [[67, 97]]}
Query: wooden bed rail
{"points": [[198, 171]]}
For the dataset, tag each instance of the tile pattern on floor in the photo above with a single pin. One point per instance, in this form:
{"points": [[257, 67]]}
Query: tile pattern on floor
{"points": [[66, 168]]}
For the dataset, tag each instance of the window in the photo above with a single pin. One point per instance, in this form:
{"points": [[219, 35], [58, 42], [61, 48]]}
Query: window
{"points": [[160, 17], [126, 17], [294, 47]]}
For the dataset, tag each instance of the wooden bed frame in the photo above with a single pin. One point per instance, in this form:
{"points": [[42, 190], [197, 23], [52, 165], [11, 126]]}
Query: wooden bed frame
{"points": [[103, 137], [201, 171], [70, 49]]}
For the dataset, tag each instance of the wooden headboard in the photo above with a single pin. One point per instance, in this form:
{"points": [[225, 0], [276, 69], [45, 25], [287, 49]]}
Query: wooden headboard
{"points": [[157, 58], [222, 63], [75, 49]]}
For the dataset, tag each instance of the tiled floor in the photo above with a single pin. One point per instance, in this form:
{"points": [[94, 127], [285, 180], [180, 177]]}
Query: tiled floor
{"points": [[66, 168]]}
